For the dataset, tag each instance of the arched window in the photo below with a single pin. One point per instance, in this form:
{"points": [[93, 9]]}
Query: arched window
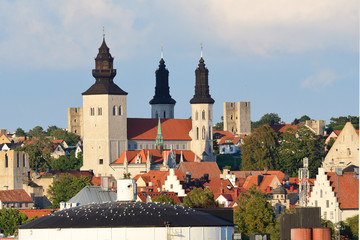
{"points": [[156, 115], [197, 133], [196, 115], [17, 160], [203, 115], [119, 113], [203, 133], [6, 160], [164, 114], [99, 111], [114, 110], [92, 111]]}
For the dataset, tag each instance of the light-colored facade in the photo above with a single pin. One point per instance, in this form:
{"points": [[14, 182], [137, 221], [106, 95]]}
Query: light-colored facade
{"points": [[201, 133], [162, 110], [345, 150], [237, 118], [14, 169], [336, 194], [105, 131], [75, 120], [318, 126], [172, 184]]}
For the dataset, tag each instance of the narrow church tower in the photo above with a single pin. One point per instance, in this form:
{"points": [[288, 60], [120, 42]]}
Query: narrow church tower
{"points": [[104, 117], [202, 109], [162, 105]]}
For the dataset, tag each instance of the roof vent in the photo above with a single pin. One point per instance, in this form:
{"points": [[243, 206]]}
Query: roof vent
{"points": [[126, 190]]}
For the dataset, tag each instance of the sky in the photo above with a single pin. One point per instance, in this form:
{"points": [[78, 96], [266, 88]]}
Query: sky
{"points": [[286, 57]]}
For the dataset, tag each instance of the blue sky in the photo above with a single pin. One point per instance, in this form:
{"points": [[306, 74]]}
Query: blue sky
{"points": [[287, 57]]}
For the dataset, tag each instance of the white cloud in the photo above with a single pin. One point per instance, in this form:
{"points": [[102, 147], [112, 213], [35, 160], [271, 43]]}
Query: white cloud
{"points": [[320, 80]]}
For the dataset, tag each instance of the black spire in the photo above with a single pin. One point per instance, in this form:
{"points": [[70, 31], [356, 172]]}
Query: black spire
{"points": [[162, 89], [202, 94], [104, 74]]}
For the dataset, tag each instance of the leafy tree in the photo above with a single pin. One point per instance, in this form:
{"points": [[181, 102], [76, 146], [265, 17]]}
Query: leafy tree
{"points": [[269, 118], [67, 162], [164, 199], [220, 125], [330, 143], [39, 153], [259, 149], [20, 132], [50, 129], [200, 198], [294, 147], [353, 225], [126, 175], [304, 118], [65, 187], [37, 132], [254, 214], [70, 138], [339, 122], [10, 219]]}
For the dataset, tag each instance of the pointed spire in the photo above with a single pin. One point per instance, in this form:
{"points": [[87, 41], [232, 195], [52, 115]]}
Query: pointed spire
{"points": [[148, 162], [159, 138], [126, 163], [181, 157], [202, 92], [164, 157], [201, 46]]}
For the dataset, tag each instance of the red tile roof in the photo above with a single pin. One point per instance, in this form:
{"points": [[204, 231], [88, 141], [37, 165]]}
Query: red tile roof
{"points": [[285, 127], [146, 128], [222, 186], [158, 177], [155, 156], [10, 196], [30, 213], [198, 169], [346, 189], [264, 185], [280, 175]]}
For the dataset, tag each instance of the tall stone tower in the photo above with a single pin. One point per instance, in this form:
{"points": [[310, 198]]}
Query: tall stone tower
{"points": [[162, 105], [202, 111], [104, 117], [237, 117]]}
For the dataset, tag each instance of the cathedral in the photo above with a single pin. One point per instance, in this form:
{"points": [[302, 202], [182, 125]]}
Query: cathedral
{"points": [[115, 145]]}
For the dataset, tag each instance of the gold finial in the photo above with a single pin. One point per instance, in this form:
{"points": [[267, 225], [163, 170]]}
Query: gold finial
{"points": [[201, 46], [162, 51], [103, 31]]}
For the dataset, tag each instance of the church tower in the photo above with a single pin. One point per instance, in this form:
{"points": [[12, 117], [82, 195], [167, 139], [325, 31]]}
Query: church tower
{"points": [[162, 105], [202, 110], [104, 117]]}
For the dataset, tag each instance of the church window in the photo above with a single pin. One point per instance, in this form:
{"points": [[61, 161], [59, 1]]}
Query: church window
{"points": [[99, 111], [114, 110], [197, 133], [203, 115], [92, 111], [203, 133], [6, 161], [321, 193], [196, 115], [231, 117], [24, 160], [101, 161], [119, 113], [135, 145], [183, 146], [17, 160], [164, 114], [156, 115]]}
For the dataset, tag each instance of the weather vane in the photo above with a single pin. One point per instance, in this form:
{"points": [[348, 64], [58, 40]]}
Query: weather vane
{"points": [[201, 46], [103, 31], [162, 51]]}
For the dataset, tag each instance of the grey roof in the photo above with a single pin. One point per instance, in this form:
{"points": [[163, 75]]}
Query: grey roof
{"points": [[126, 214], [93, 194]]}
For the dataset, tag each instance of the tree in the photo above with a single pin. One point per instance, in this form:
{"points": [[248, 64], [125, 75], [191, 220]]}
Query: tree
{"points": [[50, 129], [65, 187], [253, 213], [259, 149], [164, 199], [293, 147], [70, 138], [39, 153], [20, 132], [67, 162], [10, 219], [304, 118], [37, 132], [353, 225], [269, 118], [330, 143], [200, 198], [220, 125], [339, 123]]}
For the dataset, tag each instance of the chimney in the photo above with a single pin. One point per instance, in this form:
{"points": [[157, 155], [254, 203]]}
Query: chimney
{"points": [[206, 177], [105, 183], [197, 182], [126, 190], [259, 179]]}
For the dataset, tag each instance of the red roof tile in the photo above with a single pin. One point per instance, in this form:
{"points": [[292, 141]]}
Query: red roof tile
{"points": [[30, 213], [198, 169], [285, 127], [264, 185], [19, 195], [222, 186], [280, 175], [146, 128], [346, 189], [158, 177]]}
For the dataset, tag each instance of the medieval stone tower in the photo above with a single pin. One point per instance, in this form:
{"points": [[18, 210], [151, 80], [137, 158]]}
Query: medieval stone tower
{"points": [[162, 105], [237, 117], [202, 111], [104, 116]]}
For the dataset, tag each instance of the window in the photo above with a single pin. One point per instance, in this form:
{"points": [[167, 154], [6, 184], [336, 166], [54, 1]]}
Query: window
{"points": [[321, 193], [231, 117], [197, 133], [6, 161], [76, 110], [129, 146], [316, 204], [331, 214], [92, 111], [327, 203], [99, 111], [101, 161], [164, 114], [156, 115], [171, 186], [17, 160], [203, 115], [114, 110], [196, 115], [24, 160], [203, 133], [74, 120], [325, 215], [119, 113]]}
